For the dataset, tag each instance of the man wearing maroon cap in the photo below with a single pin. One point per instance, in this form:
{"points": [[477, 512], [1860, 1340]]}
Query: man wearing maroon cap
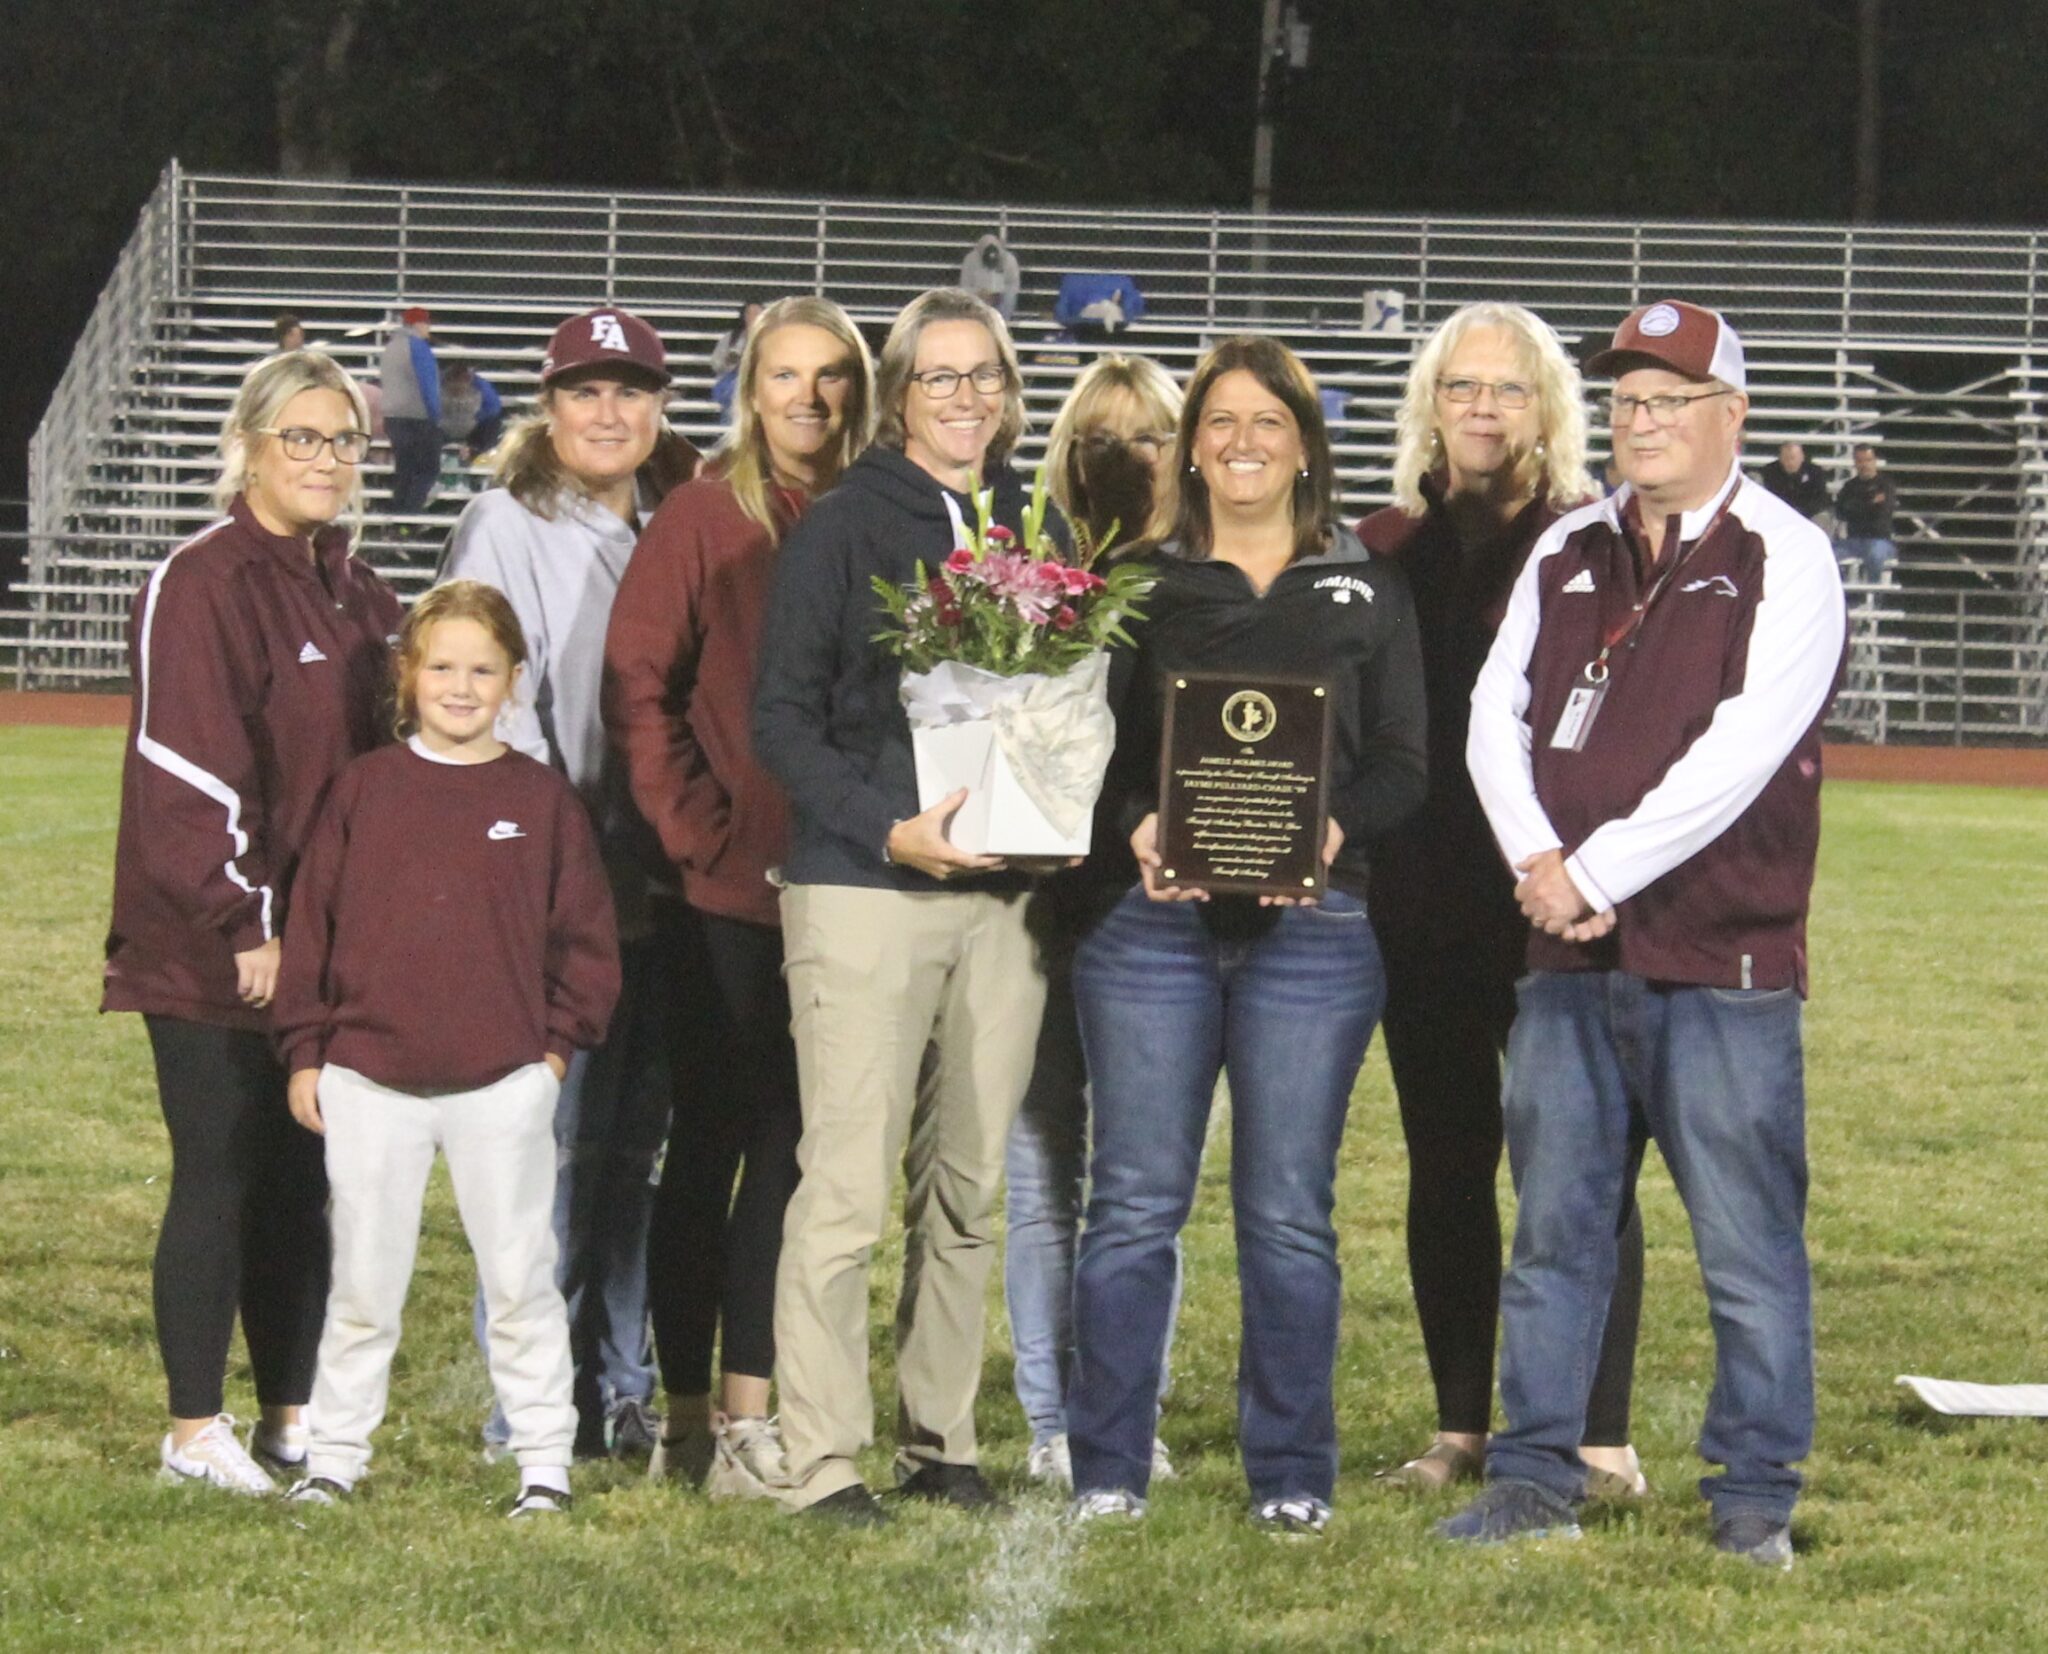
{"points": [[1645, 738]]}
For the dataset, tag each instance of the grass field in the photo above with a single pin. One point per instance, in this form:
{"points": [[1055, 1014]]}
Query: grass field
{"points": [[1929, 1121]]}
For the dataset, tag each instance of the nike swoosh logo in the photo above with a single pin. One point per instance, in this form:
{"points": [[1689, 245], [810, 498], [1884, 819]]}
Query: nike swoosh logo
{"points": [[504, 830]]}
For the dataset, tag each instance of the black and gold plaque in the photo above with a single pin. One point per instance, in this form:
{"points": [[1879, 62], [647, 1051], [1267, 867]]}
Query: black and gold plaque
{"points": [[1244, 784]]}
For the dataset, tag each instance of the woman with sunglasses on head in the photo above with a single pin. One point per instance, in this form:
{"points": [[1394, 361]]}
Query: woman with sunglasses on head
{"points": [[259, 653], [679, 675], [1492, 450]]}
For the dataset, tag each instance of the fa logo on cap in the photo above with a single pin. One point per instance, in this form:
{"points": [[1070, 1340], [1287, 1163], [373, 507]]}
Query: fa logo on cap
{"points": [[1657, 321], [606, 333]]}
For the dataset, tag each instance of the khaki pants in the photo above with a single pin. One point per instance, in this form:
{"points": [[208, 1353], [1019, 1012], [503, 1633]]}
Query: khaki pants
{"points": [[875, 978]]}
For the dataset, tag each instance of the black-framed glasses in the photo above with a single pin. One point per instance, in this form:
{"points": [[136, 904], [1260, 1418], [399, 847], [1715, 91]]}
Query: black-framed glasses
{"points": [[1146, 444], [940, 383], [1511, 394], [303, 442], [1665, 407]]}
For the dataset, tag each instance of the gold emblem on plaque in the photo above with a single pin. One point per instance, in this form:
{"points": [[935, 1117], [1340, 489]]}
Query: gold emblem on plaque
{"points": [[1249, 716]]}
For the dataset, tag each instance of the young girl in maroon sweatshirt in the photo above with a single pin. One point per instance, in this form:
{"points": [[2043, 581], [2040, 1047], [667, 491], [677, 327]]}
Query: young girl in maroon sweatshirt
{"points": [[451, 946]]}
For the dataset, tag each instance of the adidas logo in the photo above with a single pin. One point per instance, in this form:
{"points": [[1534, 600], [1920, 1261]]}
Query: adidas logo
{"points": [[504, 829], [1580, 582], [310, 654]]}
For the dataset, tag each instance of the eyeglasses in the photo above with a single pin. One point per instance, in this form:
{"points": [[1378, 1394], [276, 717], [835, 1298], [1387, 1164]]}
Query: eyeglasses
{"points": [[1664, 409], [940, 383], [1147, 444], [1511, 394], [302, 442]]}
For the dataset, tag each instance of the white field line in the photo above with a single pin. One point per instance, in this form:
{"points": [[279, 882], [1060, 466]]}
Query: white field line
{"points": [[1018, 1589]]}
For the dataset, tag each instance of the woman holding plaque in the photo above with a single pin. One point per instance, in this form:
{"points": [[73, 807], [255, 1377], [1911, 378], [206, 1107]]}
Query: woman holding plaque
{"points": [[1492, 449], [1280, 991]]}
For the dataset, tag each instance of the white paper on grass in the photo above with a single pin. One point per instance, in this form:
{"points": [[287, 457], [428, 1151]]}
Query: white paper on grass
{"points": [[1990, 1401], [1030, 750]]}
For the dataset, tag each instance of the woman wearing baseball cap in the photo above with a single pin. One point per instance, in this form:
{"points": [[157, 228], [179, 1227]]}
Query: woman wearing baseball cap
{"points": [[577, 478]]}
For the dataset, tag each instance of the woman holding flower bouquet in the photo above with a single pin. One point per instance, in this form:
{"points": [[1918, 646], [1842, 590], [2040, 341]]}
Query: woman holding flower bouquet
{"points": [[896, 941], [1282, 995]]}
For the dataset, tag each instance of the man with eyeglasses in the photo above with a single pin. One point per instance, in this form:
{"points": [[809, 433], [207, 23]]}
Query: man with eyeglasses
{"points": [[1645, 739]]}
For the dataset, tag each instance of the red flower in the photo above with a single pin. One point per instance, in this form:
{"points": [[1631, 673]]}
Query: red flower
{"points": [[1064, 619], [1079, 582], [1000, 535], [961, 561]]}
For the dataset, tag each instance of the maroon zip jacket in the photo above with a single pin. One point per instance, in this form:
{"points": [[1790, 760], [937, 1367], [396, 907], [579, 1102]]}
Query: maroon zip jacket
{"points": [[259, 670], [678, 684], [452, 923]]}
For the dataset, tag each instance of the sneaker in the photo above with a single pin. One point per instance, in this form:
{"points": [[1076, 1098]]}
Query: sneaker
{"points": [[747, 1460], [683, 1452], [1440, 1465], [1510, 1510], [1162, 1462], [282, 1448], [1761, 1538], [1111, 1503], [1618, 1485], [852, 1507], [1298, 1516], [632, 1430], [318, 1490], [215, 1458], [960, 1485], [535, 1500], [1051, 1463]]}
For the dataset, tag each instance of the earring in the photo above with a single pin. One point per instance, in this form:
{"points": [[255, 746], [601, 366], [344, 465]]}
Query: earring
{"points": [[1193, 469], [1304, 473]]}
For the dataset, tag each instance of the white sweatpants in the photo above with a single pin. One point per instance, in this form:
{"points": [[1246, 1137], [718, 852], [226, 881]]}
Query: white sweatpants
{"points": [[500, 1143]]}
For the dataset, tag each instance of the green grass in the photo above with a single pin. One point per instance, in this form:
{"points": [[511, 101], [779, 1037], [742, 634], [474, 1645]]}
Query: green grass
{"points": [[1930, 1160]]}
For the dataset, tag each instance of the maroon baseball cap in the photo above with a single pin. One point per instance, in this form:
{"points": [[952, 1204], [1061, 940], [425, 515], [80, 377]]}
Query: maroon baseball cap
{"points": [[605, 337], [1688, 339], [414, 314]]}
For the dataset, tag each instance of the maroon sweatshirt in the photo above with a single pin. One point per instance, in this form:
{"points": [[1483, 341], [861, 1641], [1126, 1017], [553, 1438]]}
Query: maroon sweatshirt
{"points": [[260, 667], [452, 923], [679, 683]]}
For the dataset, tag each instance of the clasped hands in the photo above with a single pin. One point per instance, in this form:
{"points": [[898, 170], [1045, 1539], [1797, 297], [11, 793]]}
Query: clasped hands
{"points": [[1552, 903]]}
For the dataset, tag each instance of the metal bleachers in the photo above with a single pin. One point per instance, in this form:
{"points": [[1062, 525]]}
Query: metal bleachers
{"points": [[1923, 340]]}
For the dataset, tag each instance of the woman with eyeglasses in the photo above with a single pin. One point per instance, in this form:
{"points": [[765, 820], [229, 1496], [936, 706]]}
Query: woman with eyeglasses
{"points": [[259, 653], [903, 953], [1491, 451]]}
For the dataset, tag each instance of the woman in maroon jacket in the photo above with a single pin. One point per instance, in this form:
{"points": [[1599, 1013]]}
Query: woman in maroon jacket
{"points": [[259, 652], [1492, 450], [679, 674]]}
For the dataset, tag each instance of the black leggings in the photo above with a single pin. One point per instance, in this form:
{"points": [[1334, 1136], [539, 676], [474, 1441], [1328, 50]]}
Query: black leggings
{"points": [[1446, 1027], [246, 1225], [711, 1254]]}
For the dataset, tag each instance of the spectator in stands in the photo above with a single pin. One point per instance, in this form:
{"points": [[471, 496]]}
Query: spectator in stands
{"points": [[259, 653], [1107, 459], [1796, 480], [725, 355], [1175, 987], [578, 478], [991, 273], [1491, 451], [679, 674], [1646, 742], [472, 412], [897, 942], [410, 380], [1865, 505], [291, 333], [1094, 305]]}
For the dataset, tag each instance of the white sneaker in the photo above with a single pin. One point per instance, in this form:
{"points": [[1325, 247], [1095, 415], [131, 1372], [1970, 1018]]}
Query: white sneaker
{"points": [[747, 1460], [1050, 1462], [1299, 1516], [283, 1448], [1162, 1462], [217, 1459], [1113, 1503], [317, 1490], [536, 1500]]}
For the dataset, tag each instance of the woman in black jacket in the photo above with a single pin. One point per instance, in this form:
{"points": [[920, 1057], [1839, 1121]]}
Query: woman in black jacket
{"points": [[1282, 994]]}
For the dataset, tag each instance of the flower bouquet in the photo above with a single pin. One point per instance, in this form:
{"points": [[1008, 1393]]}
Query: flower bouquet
{"points": [[1006, 680]]}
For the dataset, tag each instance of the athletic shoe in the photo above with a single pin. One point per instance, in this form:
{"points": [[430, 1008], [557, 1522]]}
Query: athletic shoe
{"points": [[1299, 1516], [282, 1448], [215, 1458], [683, 1452], [1050, 1462], [960, 1485], [1762, 1539], [318, 1490], [852, 1507], [535, 1500], [747, 1460], [1111, 1503], [1507, 1510], [1617, 1485], [1162, 1462], [632, 1430]]}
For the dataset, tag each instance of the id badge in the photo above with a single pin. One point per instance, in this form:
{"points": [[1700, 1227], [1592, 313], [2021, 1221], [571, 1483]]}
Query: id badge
{"points": [[1575, 723]]}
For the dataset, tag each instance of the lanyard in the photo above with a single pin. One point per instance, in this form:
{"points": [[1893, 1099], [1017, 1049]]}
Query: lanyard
{"points": [[1612, 637]]}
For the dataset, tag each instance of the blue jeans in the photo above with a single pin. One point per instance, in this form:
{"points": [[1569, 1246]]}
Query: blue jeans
{"points": [[1872, 554], [1045, 1166], [1716, 1077], [1283, 1001]]}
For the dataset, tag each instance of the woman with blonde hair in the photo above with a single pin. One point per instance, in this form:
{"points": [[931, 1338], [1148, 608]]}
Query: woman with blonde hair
{"points": [[1491, 451], [679, 672], [259, 657]]}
